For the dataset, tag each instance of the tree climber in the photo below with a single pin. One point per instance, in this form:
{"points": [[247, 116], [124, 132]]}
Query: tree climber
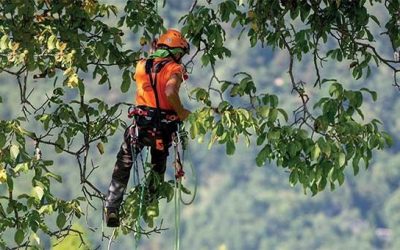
{"points": [[157, 114]]}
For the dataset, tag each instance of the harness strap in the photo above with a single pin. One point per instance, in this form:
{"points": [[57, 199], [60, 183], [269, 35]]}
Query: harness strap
{"points": [[149, 70], [167, 115]]}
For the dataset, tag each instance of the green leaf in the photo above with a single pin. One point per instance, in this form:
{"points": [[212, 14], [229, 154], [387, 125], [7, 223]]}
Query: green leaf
{"points": [[320, 102], [292, 149], [56, 177], [73, 81], [264, 111], [38, 192], [263, 155], [373, 94], [14, 151], [48, 162], [283, 112], [126, 81], [324, 146], [223, 106], [60, 144], [4, 42], [194, 130], [3, 140], [388, 139], [304, 13], [3, 175], [335, 89], [35, 238], [357, 72], [357, 99], [201, 94], [293, 178], [356, 162], [100, 49], [273, 100], [224, 86], [19, 236], [61, 219], [375, 19], [339, 55], [302, 133], [315, 152], [321, 184], [185, 190], [340, 178], [205, 59], [360, 113], [342, 159], [332, 174], [51, 42], [22, 167], [152, 210], [273, 135], [261, 138], [273, 114], [230, 147], [69, 72]]}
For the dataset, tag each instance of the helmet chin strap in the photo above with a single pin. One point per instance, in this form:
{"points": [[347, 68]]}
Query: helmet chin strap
{"points": [[177, 59]]}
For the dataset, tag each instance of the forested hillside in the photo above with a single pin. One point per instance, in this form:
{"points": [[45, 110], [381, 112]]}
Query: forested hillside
{"points": [[239, 205]]}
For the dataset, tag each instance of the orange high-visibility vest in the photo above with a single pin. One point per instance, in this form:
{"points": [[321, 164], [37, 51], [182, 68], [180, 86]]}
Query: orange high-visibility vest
{"points": [[144, 92]]}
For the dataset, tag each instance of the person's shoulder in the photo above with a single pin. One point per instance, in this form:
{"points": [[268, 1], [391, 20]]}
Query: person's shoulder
{"points": [[140, 67], [178, 69], [141, 61], [174, 65]]}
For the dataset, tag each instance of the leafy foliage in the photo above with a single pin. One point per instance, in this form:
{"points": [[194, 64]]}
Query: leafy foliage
{"points": [[73, 240]]}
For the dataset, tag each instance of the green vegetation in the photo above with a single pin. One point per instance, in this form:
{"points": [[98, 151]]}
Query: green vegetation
{"points": [[287, 78], [73, 240]]}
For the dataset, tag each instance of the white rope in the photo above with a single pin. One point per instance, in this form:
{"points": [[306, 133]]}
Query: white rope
{"points": [[111, 239]]}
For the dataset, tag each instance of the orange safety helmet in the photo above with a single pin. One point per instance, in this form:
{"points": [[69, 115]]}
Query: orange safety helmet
{"points": [[173, 39]]}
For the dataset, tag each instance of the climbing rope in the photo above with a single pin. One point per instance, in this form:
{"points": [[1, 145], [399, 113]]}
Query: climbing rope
{"points": [[137, 226], [179, 174], [185, 148], [139, 184], [177, 214], [111, 239], [177, 186]]}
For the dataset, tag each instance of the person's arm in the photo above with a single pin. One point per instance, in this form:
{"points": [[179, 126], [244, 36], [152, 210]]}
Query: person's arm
{"points": [[172, 93]]}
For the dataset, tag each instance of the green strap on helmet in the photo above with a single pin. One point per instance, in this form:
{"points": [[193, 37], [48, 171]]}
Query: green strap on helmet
{"points": [[164, 53]]}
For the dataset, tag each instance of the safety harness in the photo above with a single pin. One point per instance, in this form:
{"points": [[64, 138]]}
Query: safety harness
{"points": [[154, 117]]}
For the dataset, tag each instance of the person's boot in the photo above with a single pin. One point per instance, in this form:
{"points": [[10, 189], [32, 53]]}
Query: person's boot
{"points": [[113, 201], [112, 217]]}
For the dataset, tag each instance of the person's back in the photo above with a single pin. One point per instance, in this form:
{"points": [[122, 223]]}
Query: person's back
{"points": [[145, 94]]}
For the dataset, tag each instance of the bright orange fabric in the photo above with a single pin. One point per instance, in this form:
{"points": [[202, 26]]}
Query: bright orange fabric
{"points": [[144, 91]]}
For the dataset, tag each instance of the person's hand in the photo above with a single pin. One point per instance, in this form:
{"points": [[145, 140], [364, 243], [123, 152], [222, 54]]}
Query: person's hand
{"points": [[183, 115]]}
